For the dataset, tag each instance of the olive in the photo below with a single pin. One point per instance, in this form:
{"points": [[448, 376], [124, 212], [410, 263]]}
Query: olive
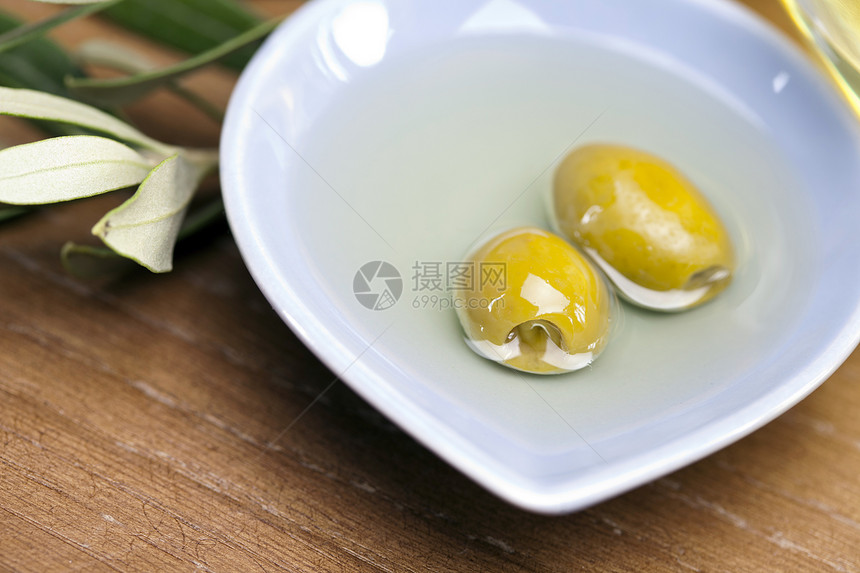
{"points": [[546, 310], [644, 224]]}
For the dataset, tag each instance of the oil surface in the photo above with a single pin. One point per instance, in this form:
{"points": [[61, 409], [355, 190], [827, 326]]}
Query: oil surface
{"points": [[423, 156]]}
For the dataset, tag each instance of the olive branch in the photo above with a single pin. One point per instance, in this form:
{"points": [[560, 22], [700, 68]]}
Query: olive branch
{"points": [[89, 150]]}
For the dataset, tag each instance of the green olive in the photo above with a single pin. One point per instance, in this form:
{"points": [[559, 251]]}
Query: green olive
{"points": [[645, 225], [547, 310]]}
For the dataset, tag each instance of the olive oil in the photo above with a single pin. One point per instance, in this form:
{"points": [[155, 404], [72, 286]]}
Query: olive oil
{"points": [[426, 156]]}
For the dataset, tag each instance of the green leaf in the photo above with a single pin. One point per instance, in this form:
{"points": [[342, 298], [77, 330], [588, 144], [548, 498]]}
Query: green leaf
{"points": [[130, 88], [9, 212], [28, 32], [41, 65], [192, 26], [38, 105], [145, 227], [117, 57], [66, 168]]}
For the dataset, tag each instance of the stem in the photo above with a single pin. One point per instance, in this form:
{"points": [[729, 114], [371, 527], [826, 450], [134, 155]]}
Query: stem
{"points": [[206, 160], [121, 59], [129, 88], [198, 101]]}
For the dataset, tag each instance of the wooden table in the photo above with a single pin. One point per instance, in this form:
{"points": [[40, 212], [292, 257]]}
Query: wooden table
{"points": [[141, 423]]}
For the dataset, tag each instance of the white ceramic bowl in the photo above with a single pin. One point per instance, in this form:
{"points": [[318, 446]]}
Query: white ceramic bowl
{"points": [[404, 131]]}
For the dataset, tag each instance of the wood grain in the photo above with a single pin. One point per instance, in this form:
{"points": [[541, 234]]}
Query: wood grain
{"points": [[142, 429]]}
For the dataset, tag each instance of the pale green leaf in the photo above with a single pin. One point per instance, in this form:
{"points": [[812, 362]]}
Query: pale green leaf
{"points": [[66, 168], [130, 88], [145, 227], [90, 262], [107, 54], [27, 32], [39, 105]]}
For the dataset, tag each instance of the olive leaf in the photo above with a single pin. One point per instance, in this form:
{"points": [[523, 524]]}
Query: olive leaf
{"points": [[39, 105], [130, 88], [145, 227], [106, 54], [66, 168], [40, 64], [9, 212], [192, 26], [27, 32], [90, 261]]}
